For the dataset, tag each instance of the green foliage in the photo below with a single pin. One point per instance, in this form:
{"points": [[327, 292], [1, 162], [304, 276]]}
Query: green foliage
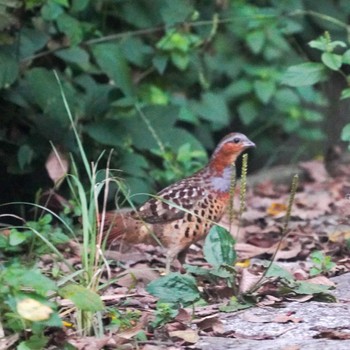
{"points": [[83, 298], [322, 263], [289, 286], [165, 312], [23, 302], [175, 288], [218, 247], [122, 320], [33, 237], [192, 68]]}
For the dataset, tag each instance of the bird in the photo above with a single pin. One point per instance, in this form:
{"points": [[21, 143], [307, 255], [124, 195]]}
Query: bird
{"points": [[183, 212]]}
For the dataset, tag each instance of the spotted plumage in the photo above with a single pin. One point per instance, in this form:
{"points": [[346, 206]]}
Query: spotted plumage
{"points": [[183, 212]]}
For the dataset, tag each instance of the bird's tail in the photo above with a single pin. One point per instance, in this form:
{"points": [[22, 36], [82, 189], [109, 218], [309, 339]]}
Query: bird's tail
{"points": [[117, 225]]}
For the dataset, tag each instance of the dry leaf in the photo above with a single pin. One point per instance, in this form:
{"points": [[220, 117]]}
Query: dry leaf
{"points": [[248, 280], [282, 318], [276, 209], [32, 310], [57, 166], [188, 335], [323, 280]]}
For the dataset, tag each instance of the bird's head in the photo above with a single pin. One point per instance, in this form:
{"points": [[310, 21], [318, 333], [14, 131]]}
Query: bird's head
{"points": [[228, 150]]}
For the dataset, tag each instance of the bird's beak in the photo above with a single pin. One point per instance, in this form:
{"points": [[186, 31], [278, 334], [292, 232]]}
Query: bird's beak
{"points": [[248, 144]]}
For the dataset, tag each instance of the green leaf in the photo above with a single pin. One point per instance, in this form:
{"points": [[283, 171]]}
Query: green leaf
{"points": [[248, 112], [180, 59], [264, 90], [71, 27], [8, 69], [175, 288], [303, 287], [278, 271], [346, 57], [345, 94], [33, 343], [83, 298], [111, 60], [16, 276], [74, 55], [25, 156], [332, 60], [218, 247], [238, 89], [136, 51], [31, 41], [308, 73], [345, 134], [160, 62], [106, 132], [16, 237], [256, 40], [235, 305], [213, 108], [174, 12]]}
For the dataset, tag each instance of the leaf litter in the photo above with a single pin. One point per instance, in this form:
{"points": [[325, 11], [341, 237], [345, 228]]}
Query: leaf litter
{"points": [[319, 222]]}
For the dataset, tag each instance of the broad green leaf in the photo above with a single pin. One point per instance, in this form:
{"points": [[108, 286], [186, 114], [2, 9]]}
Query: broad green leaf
{"points": [[345, 134], [256, 40], [25, 156], [16, 237], [74, 55], [213, 108], [51, 11], [346, 57], [9, 69], [34, 342], [31, 41], [160, 62], [71, 27], [238, 89], [175, 288], [235, 305], [136, 51], [82, 297], [112, 62], [218, 247], [278, 271], [174, 12], [248, 112], [345, 94], [16, 276], [303, 287], [43, 89], [308, 73], [264, 90], [106, 132], [332, 60], [180, 59]]}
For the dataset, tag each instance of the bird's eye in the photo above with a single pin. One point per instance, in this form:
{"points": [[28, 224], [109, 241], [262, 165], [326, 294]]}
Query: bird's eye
{"points": [[236, 140]]}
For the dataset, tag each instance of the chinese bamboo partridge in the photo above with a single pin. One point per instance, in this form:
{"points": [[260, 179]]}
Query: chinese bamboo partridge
{"points": [[183, 212]]}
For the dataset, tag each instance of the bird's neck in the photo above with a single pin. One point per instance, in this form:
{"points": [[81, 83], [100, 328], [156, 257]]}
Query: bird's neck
{"points": [[221, 180]]}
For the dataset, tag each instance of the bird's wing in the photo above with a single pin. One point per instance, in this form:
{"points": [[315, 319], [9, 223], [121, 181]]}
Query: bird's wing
{"points": [[171, 204]]}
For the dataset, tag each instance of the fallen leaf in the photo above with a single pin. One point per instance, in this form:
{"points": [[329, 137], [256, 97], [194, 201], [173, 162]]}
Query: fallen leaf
{"points": [[276, 209], [248, 280], [139, 274], [283, 318], [57, 166], [315, 170], [323, 280], [188, 335], [32, 310]]}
